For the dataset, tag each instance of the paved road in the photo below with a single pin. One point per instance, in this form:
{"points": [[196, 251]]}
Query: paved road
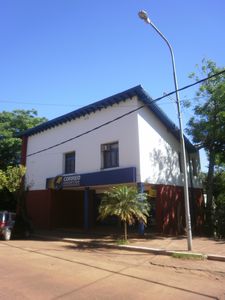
{"points": [[59, 270]]}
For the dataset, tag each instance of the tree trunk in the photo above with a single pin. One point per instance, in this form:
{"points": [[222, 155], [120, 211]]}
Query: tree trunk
{"points": [[125, 231], [209, 192]]}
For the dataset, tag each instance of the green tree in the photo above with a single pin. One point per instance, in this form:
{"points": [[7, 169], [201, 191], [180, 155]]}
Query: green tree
{"points": [[125, 203], [219, 194], [3, 180], [12, 124], [11, 184], [207, 127], [14, 176]]}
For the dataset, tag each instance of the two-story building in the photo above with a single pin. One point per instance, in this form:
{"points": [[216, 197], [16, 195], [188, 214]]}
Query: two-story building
{"points": [[123, 139]]}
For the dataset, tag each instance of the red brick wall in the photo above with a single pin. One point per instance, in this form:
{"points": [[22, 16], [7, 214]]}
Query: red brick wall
{"points": [[170, 210], [54, 209], [199, 211], [58, 209], [39, 206]]}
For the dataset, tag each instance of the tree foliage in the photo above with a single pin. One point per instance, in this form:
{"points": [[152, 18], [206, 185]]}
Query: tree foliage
{"points": [[11, 186], [3, 180], [11, 178], [219, 194], [207, 126], [125, 203], [12, 124]]}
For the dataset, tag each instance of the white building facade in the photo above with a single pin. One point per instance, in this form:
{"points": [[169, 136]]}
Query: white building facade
{"points": [[123, 139]]}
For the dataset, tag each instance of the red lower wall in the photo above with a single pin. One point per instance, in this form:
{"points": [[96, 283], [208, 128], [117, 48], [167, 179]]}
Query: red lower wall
{"points": [[54, 209], [170, 210], [39, 207], [58, 209], [199, 211]]}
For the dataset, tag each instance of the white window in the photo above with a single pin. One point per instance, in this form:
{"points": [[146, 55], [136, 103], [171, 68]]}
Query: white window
{"points": [[110, 155], [70, 162]]}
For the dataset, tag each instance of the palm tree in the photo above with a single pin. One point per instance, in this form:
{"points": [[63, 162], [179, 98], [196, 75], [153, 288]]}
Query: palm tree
{"points": [[125, 203]]}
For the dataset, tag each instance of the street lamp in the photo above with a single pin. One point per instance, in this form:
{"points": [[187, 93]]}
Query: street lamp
{"points": [[144, 16]]}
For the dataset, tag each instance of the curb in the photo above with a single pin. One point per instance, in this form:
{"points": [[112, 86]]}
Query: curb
{"points": [[216, 257], [163, 252], [142, 249]]}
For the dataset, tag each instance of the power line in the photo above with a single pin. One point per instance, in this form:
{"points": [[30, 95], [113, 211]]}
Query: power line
{"points": [[78, 105], [87, 132], [124, 115], [190, 85]]}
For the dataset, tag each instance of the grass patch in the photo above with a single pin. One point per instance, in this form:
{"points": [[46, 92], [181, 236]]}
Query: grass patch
{"points": [[188, 256], [121, 242]]}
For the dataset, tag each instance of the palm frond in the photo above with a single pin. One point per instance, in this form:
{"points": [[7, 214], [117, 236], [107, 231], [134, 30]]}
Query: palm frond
{"points": [[125, 203]]}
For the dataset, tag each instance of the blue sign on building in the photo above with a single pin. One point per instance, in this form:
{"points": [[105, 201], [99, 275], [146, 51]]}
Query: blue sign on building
{"points": [[106, 177]]}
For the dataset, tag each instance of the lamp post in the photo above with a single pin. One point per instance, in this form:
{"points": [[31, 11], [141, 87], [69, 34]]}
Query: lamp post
{"points": [[144, 16]]}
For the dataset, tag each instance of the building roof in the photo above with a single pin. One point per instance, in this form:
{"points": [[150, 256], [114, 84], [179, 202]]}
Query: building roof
{"points": [[109, 101]]}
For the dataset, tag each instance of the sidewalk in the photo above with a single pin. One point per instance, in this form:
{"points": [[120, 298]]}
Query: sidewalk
{"points": [[150, 243]]}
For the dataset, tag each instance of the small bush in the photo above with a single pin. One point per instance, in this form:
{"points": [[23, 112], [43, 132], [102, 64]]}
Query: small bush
{"points": [[121, 242]]}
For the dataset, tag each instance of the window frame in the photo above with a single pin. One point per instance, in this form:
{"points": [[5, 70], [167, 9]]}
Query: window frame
{"points": [[109, 155], [68, 167]]}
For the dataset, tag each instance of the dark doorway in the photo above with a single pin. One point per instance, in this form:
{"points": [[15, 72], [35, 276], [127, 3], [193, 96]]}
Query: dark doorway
{"points": [[68, 209]]}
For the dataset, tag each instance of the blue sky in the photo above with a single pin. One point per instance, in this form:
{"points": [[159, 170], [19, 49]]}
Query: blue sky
{"points": [[59, 55]]}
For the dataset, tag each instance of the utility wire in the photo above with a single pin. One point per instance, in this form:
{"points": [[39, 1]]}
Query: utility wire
{"points": [[124, 115], [190, 85], [86, 132], [78, 105]]}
